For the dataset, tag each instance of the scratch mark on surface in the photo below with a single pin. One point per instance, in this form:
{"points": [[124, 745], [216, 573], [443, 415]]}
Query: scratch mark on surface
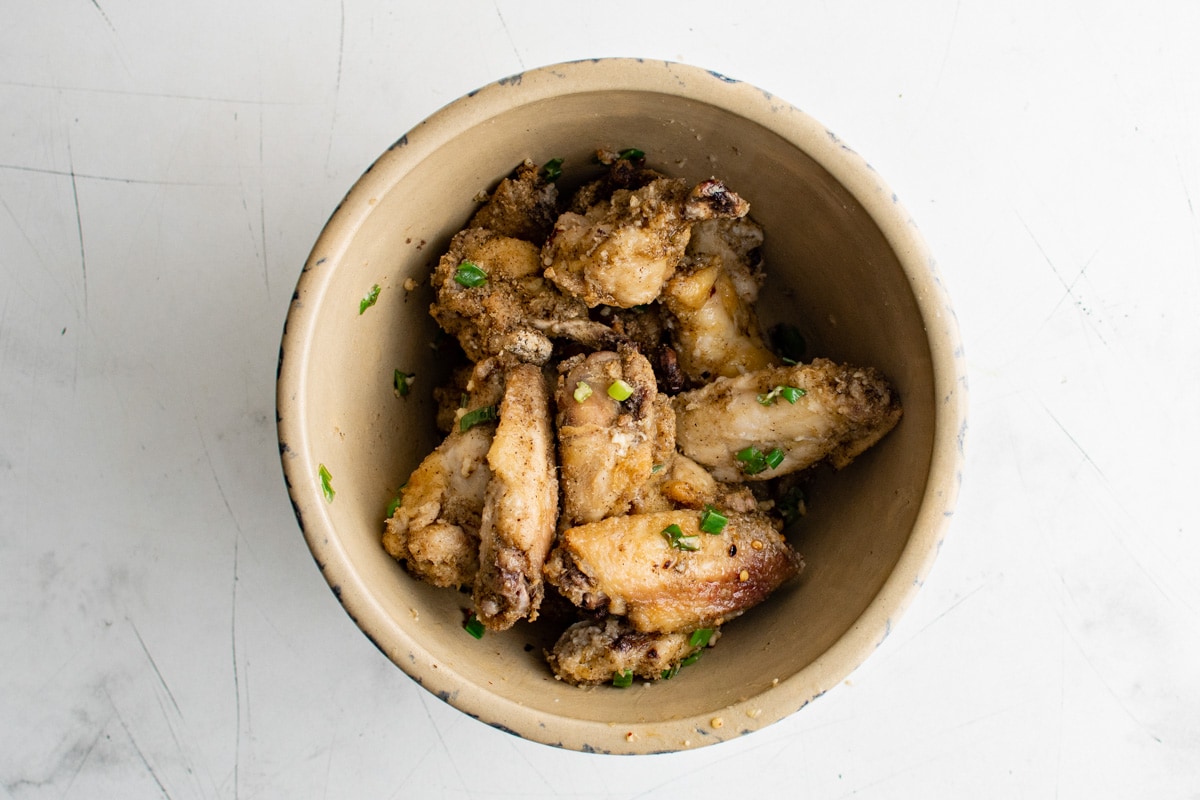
{"points": [[161, 95], [1068, 288], [946, 51], [82, 761], [1075, 443], [508, 35], [337, 86], [425, 698], [137, 748], [113, 178], [154, 666], [262, 203], [78, 223], [107, 21]]}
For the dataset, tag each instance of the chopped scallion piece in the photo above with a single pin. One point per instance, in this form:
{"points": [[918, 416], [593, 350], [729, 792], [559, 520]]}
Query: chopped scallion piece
{"points": [[754, 462], [774, 458], [655, 469], [791, 505], [473, 626], [552, 170], [620, 390], [792, 393], [582, 391], [392, 506], [667, 674], [712, 521], [326, 483], [401, 383], [470, 275], [675, 538], [369, 299], [623, 678], [700, 637], [692, 659], [631, 153], [472, 418]]}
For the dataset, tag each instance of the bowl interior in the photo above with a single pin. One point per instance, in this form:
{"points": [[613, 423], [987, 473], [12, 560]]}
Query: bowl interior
{"points": [[832, 271]]}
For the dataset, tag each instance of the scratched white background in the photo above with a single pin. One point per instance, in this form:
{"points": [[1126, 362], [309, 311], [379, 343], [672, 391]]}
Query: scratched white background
{"points": [[164, 170]]}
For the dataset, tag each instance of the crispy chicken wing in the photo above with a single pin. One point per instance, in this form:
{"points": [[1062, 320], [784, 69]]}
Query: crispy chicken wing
{"points": [[435, 529], [521, 503], [511, 308], [629, 566], [622, 249], [843, 411], [523, 206], [710, 298], [607, 447], [590, 653]]}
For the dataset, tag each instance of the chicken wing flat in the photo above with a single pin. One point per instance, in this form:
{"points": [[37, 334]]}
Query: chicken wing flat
{"points": [[590, 653], [622, 249], [607, 446], [780, 420], [435, 529], [664, 574], [711, 299], [520, 507], [523, 206], [492, 297]]}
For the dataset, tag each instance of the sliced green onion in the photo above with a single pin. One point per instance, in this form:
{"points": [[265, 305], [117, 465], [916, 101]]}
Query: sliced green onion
{"points": [[472, 418], [667, 674], [473, 626], [675, 538], [791, 505], [368, 299], [712, 521], [792, 393], [754, 462], [463, 399], [692, 659], [623, 678], [582, 391], [631, 153], [655, 469], [789, 393], [401, 383], [326, 483], [470, 275], [774, 458], [552, 170], [392, 506], [700, 637], [620, 390]]}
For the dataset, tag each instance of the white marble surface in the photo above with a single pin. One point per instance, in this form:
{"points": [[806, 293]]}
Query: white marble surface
{"points": [[165, 168]]}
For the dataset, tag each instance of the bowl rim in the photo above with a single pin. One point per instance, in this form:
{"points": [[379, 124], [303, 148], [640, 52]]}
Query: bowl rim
{"points": [[881, 205]]}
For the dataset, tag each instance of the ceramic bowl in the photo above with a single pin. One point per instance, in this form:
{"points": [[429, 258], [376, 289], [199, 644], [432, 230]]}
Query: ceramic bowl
{"points": [[845, 264]]}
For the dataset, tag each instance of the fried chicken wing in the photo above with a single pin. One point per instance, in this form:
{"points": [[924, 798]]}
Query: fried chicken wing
{"points": [[710, 298], [622, 249], [509, 307], [435, 529], [523, 206], [607, 447], [590, 653], [843, 411], [520, 507], [629, 566]]}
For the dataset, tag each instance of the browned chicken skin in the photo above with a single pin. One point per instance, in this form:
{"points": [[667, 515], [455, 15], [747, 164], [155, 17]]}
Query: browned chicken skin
{"points": [[590, 653]]}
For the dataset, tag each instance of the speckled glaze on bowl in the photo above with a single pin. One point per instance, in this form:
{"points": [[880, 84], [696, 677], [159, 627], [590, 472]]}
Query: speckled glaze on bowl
{"points": [[845, 264]]}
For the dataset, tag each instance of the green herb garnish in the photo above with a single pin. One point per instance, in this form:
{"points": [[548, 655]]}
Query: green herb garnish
{"points": [[675, 538], [473, 626], [623, 678], [667, 674], [791, 505], [700, 637], [472, 418], [392, 506], [620, 390], [631, 153], [552, 170], [582, 391], [692, 659], [655, 469], [754, 462], [712, 521], [470, 275], [401, 383], [789, 393], [369, 299], [326, 483]]}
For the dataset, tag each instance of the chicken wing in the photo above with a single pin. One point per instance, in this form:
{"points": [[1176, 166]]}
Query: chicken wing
{"points": [[520, 507], [711, 298], [435, 529], [622, 249], [523, 206], [665, 574], [607, 447], [590, 653], [780, 420], [492, 297]]}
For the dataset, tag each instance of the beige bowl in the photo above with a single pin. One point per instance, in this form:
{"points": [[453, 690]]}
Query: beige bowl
{"points": [[845, 264]]}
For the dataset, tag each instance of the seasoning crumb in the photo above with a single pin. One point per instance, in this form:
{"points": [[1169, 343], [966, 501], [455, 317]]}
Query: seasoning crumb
{"points": [[415, 614], [717, 722], [409, 285], [775, 681], [754, 713], [629, 737], [744, 575], [756, 544]]}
